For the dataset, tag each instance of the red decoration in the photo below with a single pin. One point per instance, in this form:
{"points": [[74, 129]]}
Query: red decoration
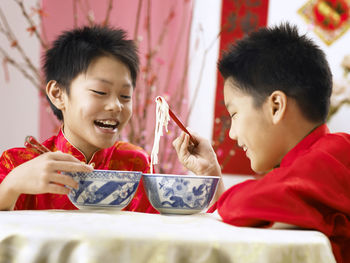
{"points": [[331, 14], [238, 18], [329, 18]]}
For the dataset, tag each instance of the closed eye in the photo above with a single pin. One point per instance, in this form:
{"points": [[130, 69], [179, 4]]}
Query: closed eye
{"points": [[98, 92], [125, 97], [233, 115]]}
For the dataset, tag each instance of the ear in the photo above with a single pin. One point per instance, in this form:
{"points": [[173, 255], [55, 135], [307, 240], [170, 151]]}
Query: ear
{"points": [[55, 94], [277, 102]]}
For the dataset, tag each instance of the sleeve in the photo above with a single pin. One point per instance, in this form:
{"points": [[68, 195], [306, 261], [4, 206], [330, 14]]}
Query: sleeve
{"points": [[312, 193], [6, 165], [12, 158], [9, 160]]}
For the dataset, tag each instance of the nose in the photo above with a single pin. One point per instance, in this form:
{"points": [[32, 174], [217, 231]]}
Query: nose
{"points": [[232, 133], [114, 105]]}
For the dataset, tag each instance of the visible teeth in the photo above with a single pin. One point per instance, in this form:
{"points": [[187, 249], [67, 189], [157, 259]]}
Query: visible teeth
{"points": [[108, 122], [245, 148]]}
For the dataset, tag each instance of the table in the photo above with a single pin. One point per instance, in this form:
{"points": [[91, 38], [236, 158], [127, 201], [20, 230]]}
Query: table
{"points": [[113, 236]]}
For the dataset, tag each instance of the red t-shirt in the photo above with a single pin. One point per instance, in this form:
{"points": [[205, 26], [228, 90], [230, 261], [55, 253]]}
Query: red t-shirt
{"points": [[310, 189], [121, 156]]}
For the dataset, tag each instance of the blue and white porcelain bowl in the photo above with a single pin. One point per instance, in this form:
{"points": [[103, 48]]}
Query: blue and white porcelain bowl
{"points": [[104, 189], [180, 194]]}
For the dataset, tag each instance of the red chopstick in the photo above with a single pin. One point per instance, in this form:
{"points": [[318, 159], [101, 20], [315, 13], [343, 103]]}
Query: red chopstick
{"points": [[179, 123], [31, 142]]}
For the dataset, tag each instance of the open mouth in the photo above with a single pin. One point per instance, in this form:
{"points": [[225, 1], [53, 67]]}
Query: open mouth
{"points": [[107, 124]]}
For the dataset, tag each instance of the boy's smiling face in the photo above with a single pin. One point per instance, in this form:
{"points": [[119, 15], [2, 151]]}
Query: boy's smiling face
{"points": [[98, 106], [252, 127]]}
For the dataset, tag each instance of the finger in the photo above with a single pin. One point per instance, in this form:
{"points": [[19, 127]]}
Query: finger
{"points": [[60, 156], [178, 142], [197, 137], [192, 148], [57, 189], [175, 142], [63, 180], [72, 167], [183, 150]]}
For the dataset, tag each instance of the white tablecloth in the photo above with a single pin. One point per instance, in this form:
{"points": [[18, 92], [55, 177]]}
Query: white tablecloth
{"points": [[105, 236]]}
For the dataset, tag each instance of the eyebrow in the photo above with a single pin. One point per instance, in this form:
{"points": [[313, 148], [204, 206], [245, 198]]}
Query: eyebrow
{"points": [[104, 80], [127, 85]]}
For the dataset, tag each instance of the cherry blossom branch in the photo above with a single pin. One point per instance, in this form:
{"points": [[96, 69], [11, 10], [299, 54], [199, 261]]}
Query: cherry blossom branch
{"points": [[108, 12], [186, 66], [131, 133], [162, 35], [10, 60], [138, 15], [179, 95], [341, 90], [334, 109], [150, 77], [33, 27], [86, 9], [75, 14], [176, 50], [147, 68], [90, 17], [6, 30]]}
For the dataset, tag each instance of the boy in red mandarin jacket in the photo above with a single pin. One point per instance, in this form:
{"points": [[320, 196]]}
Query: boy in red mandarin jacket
{"points": [[277, 88], [91, 74]]}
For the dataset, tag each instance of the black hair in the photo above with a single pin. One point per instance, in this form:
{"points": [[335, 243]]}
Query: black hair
{"points": [[74, 50], [278, 58]]}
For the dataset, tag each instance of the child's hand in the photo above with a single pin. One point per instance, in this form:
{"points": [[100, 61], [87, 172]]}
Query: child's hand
{"points": [[200, 159], [41, 175]]}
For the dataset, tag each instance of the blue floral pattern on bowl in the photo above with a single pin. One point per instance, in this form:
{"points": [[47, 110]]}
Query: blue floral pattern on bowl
{"points": [[104, 189], [180, 194]]}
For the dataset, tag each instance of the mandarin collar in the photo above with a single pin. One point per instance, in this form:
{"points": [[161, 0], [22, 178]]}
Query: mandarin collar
{"points": [[65, 146], [304, 144]]}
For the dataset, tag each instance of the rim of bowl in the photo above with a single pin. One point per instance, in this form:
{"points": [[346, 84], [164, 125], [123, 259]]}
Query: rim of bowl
{"points": [[118, 171], [179, 175]]}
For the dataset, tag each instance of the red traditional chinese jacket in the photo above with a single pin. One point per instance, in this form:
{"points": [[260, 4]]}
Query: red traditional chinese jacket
{"points": [[310, 189], [121, 156]]}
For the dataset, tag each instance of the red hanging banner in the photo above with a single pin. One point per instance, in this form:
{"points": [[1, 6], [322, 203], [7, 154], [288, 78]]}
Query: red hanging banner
{"points": [[238, 18]]}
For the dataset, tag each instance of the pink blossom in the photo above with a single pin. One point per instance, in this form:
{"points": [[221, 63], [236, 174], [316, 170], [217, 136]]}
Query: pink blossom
{"points": [[160, 61]]}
